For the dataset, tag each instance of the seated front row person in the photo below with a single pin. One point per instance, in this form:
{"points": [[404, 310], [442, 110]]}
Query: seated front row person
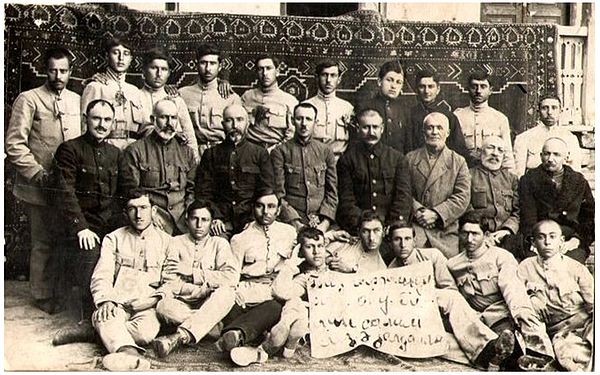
{"points": [[130, 261], [199, 277], [561, 290]]}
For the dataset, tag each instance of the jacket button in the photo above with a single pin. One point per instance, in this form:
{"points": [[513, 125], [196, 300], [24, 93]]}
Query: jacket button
{"points": [[374, 195]]}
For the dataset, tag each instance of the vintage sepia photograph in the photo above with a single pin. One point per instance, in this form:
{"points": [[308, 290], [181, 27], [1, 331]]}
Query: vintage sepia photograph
{"points": [[299, 187]]}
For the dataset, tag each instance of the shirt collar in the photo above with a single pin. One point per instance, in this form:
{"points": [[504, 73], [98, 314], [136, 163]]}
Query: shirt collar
{"points": [[119, 77], [375, 150], [326, 97], [552, 263], [479, 252], [212, 85], [93, 141], [481, 107], [269, 90], [145, 232], [152, 90], [301, 142]]}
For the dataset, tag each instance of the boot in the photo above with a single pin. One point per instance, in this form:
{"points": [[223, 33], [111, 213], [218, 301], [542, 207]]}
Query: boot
{"points": [[82, 332], [165, 345], [230, 339], [504, 347], [246, 355]]}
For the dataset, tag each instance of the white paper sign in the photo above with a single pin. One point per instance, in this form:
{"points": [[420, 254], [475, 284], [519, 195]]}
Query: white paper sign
{"points": [[393, 311]]}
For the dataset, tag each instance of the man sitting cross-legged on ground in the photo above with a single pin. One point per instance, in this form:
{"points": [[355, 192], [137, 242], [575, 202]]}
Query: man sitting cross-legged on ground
{"points": [[290, 286], [199, 275], [131, 259]]}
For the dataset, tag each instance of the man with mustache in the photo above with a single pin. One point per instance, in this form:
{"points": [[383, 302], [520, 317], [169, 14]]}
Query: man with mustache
{"points": [[41, 119], [305, 175], [278, 126], [479, 121], [231, 173], [528, 145], [162, 165], [86, 195], [156, 68], [495, 195], [441, 188], [333, 114], [124, 97], [204, 102], [372, 175], [555, 191]]}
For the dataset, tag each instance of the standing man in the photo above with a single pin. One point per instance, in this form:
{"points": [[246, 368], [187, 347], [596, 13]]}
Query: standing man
{"points": [[387, 103], [555, 191], [164, 167], [479, 121], [427, 85], [372, 175], [125, 97], [123, 284], [334, 115], [203, 100], [279, 106], [156, 70], [41, 119], [231, 173], [495, 196], [528, 145], [87, 168], [305, 175], [561, 291], [441, 187]]}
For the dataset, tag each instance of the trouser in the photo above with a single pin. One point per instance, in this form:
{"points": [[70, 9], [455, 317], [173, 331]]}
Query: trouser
{"points": [[126, 329], [199, 318], [87, 260], [253, 321], [573, 342], [292, 326], [46, 263]]}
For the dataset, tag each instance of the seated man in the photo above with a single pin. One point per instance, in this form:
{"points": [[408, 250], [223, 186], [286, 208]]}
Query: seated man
{"points": [[261, 250], [199, 276], [122, 284], [482, 346], [562, 292], [487, 278], [495, 196], [555, 191], [441, 187]]}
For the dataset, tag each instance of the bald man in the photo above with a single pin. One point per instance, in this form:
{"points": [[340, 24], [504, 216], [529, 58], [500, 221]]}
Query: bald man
{"points": [[164, 166], [495, 196], [230, 174], [555, 191], [441, 187]]}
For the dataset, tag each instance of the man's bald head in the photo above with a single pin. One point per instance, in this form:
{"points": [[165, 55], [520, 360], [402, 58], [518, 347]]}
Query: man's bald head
{"points": [[436, 128], [553, 155], [235, 122]]}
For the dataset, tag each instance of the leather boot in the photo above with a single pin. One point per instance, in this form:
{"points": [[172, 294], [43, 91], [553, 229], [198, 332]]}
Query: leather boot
{"points": [[165, 345], [82, 332]]}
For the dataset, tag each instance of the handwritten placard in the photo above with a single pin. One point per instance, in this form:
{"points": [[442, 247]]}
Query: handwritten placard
{"points": [[393, 311]]}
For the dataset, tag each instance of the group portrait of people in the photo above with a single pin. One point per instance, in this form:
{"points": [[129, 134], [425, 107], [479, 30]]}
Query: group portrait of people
{"points": [[192, 213]]}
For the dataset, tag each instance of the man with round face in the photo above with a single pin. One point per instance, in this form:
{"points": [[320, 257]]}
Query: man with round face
{"points": [[555, 191], [278, 126], [333, 114], [41, 119], [486, 276], [528, 145], [261, 250], [564, 301], [479, 121], [199, 274], [231, 173], [495, 195], [305, 175], [372, 176], [124, 97], [131, 258], [163, 166], [440, 184], [203, 100], [156, 69]]}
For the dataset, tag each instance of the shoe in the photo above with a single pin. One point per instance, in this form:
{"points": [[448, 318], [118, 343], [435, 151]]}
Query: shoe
{"points": [[532, 363], [289, 352], [246, 355], [215, 331], [125, 362], [504, 347], [47, 305], [229, 340], [82, 332], [165, 345]]}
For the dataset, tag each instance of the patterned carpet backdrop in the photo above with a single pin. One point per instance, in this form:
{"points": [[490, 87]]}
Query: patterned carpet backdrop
{"points": [[519, 57]]}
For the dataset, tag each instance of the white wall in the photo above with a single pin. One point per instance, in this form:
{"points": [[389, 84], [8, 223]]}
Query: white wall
{"points": [[434, 12]]}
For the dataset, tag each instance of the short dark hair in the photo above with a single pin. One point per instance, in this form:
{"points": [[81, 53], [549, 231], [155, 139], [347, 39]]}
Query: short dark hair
{"points": [[208, 49], [368, 215], [390, 66], [536, 227], [265, 56], [309, 233], [326, 64], [363, 112], [95, 102], [156, 53], [136, 193], [114, 42], [549, 96], [400, 224], [57, 53], [261, 192], [305, 105], [425, 73], [200, 204], [478, 75], [473, 217]]}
